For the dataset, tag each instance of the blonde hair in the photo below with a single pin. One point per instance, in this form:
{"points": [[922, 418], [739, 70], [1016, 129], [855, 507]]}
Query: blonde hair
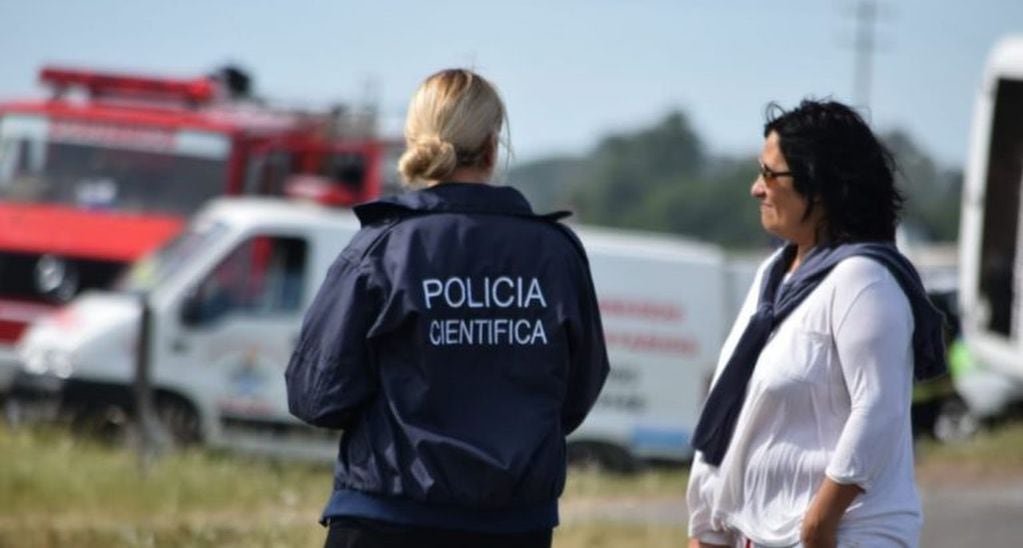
{"points": [[453, 120]]}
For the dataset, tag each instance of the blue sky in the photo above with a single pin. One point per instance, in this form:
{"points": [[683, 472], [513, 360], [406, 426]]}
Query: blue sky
{"points": [[570, 70]]}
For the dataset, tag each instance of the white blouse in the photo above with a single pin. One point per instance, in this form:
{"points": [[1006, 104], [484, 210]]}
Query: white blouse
{"points": [[830, 396]]}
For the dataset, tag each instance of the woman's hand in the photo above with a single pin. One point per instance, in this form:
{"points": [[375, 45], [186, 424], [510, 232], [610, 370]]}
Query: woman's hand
{"points": [[820, 524], [819, 534]]}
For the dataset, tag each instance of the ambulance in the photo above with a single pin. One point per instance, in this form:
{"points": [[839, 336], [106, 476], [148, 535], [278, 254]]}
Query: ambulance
{"points": [[226, 300]]}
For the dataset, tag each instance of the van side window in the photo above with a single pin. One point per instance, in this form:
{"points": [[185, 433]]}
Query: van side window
{"points": [[263, 276]]}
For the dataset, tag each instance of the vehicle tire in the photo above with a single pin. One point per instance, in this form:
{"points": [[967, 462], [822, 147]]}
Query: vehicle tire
{"points": [[109, 424], [602, 456], [179, 420], [955, 423]]}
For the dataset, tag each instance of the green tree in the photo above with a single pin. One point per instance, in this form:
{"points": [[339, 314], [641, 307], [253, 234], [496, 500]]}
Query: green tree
{"points": [[550, 183], [661, 178], [932, 193], [624, 169]]}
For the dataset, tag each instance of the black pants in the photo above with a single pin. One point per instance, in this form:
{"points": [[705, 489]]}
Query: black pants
{"points": [[366, 533]]}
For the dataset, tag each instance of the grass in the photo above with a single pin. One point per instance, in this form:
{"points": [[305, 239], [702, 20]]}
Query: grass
{"points": [[51, 473], [652, 483], [58, 490], [1001, 446], [993, 455], [616, 535]]}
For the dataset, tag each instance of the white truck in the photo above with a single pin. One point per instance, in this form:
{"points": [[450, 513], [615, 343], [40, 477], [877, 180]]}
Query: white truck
{"points": [[227, 299], [991, 239]]}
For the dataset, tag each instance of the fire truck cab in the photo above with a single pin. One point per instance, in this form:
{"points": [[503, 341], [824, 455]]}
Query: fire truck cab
{"points": [[110, 165]]}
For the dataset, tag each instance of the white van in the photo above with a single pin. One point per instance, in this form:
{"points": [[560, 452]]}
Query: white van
{"points": [[227, 299], [226, 296], [666, 304], [991, 238]]}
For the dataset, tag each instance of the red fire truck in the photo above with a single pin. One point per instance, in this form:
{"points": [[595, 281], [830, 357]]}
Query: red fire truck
{"points": [[110, 165]]}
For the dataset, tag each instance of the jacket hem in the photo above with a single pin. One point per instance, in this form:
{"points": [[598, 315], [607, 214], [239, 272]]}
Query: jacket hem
{"points": [[516, 519]]}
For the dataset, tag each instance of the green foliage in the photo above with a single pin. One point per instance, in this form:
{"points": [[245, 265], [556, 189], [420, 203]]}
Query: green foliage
{"points": [[932, 193], [625, 169], [717, 209], [661, 178], [548, 184]]}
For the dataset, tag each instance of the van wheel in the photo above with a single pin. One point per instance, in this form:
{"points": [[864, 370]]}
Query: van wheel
{"points": [[106, 423], [179, 419], [605, 457], [955, 423]]}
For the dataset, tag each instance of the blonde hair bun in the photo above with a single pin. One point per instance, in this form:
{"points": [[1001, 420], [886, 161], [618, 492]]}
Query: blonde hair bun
{"points": [[454, 120], [428, 159]]}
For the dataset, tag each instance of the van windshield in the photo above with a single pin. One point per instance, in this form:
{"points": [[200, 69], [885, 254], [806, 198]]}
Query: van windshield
{"points": [[153, 269]]}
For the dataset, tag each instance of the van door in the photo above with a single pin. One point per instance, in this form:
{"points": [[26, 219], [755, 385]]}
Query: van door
{"points": [[237, 329]]}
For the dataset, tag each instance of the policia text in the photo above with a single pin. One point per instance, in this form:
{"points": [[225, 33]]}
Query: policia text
{"points": [[503, 292]]}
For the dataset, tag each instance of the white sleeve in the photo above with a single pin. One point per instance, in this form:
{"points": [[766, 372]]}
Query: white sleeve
{"points": [[874, 343], [699, 501]]}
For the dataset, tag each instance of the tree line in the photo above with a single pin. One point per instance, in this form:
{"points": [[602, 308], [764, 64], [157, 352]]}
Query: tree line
{"points": [[663, 178]]}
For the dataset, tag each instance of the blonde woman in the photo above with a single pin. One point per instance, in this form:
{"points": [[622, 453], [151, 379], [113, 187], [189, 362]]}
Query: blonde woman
{"points": [[456, 341]]}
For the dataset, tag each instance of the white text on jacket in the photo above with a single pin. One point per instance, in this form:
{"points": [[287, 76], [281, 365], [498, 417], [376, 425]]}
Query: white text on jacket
{"points": [[481, 294]]}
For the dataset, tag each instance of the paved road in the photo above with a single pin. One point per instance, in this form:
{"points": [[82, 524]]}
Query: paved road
{"points": [[955, 517], [973, 516]]}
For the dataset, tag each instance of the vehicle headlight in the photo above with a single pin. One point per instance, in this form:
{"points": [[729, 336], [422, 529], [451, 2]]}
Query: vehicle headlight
{"points": [[60, 363], [34, 361], [57, 362]]}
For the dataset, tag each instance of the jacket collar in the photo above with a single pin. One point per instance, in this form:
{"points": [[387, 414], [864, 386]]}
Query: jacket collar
{"points": [[452, 198]]}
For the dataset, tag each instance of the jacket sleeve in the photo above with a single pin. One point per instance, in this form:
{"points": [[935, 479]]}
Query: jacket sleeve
{"points": [[588, 363], [329, 376]]}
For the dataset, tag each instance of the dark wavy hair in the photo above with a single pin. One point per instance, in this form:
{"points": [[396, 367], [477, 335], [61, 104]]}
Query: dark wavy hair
{"points": [[839, 164]]}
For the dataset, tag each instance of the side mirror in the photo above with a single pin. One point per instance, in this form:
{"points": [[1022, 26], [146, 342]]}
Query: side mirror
{"points": [[191, 308]]}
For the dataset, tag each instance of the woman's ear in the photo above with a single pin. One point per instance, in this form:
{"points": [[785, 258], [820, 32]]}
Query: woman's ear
{"points": [[490, 153]]}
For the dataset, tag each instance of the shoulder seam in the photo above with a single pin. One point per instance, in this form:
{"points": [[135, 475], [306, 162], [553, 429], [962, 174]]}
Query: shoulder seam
{"points": [[384, 229]]}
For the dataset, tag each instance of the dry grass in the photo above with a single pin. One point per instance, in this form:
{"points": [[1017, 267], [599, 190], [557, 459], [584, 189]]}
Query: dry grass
{"points": [[992, 456], [617, 535], [56, 490]]}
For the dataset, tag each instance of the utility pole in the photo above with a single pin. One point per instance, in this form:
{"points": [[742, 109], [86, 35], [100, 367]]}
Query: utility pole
{"points": [[152, 438], [865, 45]]}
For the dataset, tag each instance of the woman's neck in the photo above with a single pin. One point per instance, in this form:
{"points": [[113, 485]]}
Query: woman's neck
{"points": [[802, 250], [467, 175]]}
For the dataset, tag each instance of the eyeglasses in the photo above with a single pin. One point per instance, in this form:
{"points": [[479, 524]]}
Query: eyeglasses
{"points": [[769, 175]]}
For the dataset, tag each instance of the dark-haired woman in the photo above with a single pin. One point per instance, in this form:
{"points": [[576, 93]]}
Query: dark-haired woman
{"points": [[805, 438]]}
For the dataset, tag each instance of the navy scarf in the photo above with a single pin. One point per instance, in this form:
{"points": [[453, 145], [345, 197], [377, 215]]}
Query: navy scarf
{"points": [[721, 410]]}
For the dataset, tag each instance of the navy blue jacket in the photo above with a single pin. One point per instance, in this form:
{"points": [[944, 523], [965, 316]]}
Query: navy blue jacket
{"points": [[456, 341]]}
